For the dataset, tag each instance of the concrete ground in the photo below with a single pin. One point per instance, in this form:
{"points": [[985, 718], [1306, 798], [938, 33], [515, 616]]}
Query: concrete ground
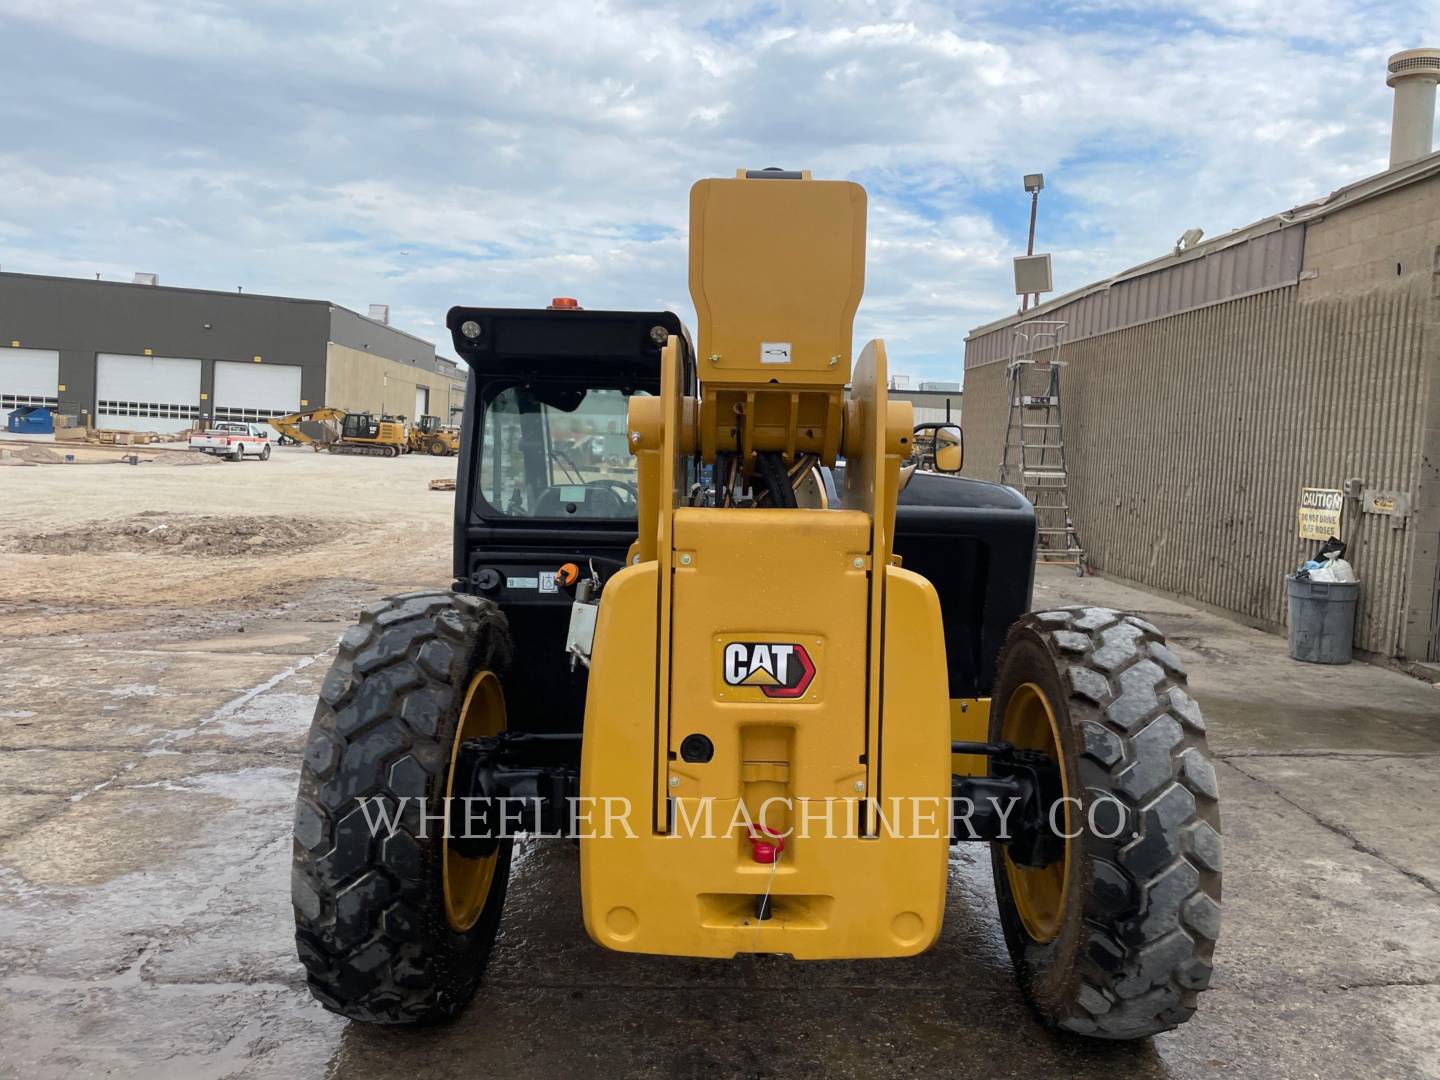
{"points": [[159, 679]]}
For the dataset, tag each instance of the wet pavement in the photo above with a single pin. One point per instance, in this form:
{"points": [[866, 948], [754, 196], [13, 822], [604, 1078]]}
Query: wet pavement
{"points": [[145, 926]]}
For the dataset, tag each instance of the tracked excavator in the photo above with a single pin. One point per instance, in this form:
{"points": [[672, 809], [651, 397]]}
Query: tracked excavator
{"points": [[339, 432]]}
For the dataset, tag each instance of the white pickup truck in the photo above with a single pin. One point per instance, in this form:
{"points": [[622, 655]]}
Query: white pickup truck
{"points": [[231, 440]]}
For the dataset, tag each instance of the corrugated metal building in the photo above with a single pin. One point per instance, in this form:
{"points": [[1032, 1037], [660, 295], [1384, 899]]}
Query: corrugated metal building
{"points": [[147, 357], [1205, 389], [933, 402]]}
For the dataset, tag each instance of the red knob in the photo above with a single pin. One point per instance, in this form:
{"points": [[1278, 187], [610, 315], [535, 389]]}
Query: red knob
{"points": [[766, 845]]}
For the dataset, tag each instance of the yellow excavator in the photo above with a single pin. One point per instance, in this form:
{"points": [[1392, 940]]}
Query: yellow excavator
{"points": [[340, 432], [434, 438]]}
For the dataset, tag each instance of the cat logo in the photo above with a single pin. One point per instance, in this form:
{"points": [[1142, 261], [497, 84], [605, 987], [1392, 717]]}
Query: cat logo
{"points": [[777, 670]]}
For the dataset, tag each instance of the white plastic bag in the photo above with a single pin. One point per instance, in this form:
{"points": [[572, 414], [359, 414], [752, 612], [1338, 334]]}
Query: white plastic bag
{"points": [[1335, 570], [1342, 571]]}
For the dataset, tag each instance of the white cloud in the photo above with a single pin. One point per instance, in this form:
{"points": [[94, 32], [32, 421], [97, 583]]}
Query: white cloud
{"points": [[425, 155]]}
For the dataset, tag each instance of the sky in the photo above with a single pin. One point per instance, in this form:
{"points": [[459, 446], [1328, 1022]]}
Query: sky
{"points": [[431, 154]]}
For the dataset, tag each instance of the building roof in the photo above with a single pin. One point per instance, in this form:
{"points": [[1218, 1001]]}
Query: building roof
{"points": [[1260, 257], [237, 295]]}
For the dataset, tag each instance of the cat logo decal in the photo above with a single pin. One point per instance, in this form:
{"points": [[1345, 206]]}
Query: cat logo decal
{"points": [[776, 669]]}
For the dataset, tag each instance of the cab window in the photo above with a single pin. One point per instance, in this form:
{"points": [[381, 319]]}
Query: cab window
{"points": [[360, 426], [557, 452]]}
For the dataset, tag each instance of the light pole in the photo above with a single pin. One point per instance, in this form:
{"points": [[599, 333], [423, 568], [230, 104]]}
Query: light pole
{"points": [[1034, 182]]}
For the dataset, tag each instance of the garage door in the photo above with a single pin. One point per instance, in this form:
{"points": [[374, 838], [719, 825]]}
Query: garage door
{"points": [[146, 393], [255, 392], [422, 402], [29, 377]]}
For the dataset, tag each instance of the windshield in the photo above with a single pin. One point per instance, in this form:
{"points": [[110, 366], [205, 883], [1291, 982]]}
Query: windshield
{"points": [[557, 452]]}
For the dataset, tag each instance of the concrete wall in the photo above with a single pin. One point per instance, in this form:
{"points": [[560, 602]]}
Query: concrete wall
{"points": [[455, 405], [1379, 243], [1189, 437], [80, 318], [359, 381]]}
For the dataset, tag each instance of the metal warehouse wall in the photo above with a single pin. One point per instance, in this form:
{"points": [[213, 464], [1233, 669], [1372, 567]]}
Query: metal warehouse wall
{"points": [[80, 318], [932, 406], [1190, 437], [357, 332], [1265, 256]]}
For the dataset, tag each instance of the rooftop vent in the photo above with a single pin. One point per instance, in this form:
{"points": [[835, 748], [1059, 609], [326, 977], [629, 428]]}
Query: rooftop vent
{"points": [[154, 279], [380, 313], [1413, 73], [1188, 239]]}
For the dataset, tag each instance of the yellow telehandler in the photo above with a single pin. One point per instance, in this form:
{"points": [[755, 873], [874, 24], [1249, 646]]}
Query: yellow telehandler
{"points": [[766, 679]]}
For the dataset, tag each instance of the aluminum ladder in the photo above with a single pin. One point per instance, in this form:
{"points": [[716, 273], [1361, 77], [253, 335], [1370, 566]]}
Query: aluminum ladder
{"points": [[1033, 457]]}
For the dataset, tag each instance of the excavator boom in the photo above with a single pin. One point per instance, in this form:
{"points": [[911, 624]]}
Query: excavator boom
{"points": [[289, 425]]}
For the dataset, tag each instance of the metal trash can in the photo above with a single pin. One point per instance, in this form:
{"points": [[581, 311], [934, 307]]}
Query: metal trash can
{"points": [[1322, 620]]}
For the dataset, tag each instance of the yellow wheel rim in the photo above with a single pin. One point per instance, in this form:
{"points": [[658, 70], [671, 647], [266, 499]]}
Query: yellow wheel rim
{"points": [[1039, 893], [468, 881]]}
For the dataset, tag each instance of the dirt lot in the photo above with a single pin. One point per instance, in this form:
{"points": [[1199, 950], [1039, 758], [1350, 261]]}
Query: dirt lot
{"points": [[86, 554], [163, 632]]}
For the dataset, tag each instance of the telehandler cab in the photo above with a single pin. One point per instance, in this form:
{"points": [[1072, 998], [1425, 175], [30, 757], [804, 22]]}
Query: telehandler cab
{"points": [[700, 622]]}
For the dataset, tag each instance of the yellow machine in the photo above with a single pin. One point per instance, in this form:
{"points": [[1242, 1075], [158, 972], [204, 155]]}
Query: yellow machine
{"points": [[429, 435], [776, 271], [340, 432], [712, 669]]}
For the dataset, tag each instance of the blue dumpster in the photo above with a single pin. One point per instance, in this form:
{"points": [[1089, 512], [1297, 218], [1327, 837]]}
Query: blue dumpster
{"points": [[31, 420]]}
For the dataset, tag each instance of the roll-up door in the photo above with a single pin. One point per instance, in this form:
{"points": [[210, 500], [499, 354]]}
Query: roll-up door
{"points": [[146, 393]]}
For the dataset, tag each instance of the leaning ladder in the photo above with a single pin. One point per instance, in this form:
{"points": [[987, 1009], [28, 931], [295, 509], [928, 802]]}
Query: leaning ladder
{"points": [[1034, 450]]}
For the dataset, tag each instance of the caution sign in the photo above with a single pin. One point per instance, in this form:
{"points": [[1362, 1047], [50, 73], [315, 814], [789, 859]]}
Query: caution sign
{"points": [[1319, 515]]}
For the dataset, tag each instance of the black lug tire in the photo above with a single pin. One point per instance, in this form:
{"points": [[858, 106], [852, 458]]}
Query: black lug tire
{"points": [[1141, 911], [265, 452], [370, 923]]}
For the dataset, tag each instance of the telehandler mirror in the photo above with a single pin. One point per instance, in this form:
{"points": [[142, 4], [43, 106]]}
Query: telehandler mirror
{"points": [[940, 447], [949, 449]]}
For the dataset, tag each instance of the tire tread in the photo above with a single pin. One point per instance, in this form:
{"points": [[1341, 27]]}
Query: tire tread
{"points": [[1152, 910], [370, 926]]}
